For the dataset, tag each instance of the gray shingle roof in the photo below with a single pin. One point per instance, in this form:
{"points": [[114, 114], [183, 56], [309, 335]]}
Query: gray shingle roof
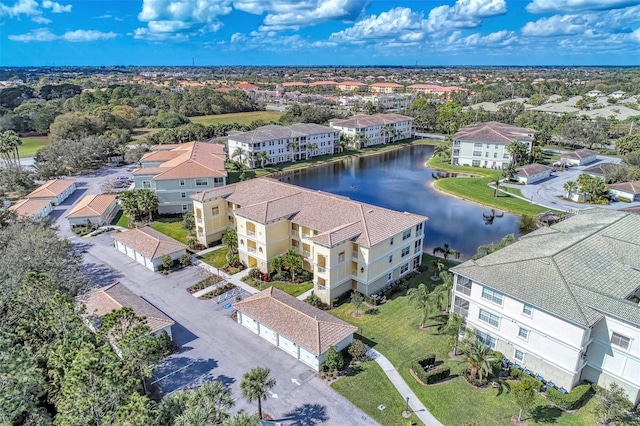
{"points": [[578, 269], [274, 131], [494, 132]]}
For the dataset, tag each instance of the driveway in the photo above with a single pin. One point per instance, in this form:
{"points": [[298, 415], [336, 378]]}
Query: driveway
{"points": [[213, 346]]}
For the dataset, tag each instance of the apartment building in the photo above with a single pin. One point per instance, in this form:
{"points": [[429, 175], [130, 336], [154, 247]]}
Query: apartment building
{"points": [[346, 244], [274, 144], [352, 86], [380, 88], [376, 129], [485, 144], [434, 90], [563, 301], [177, 171]]}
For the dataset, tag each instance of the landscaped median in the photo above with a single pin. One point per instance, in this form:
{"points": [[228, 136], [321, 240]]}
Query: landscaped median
{"points": [[476, 188], [395, 332]]}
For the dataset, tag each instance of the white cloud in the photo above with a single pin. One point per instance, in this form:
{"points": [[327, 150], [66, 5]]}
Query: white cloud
{"points": [[167, 18], [496, 39], [44, 34], [40, 20], [556, 25], [56, 7], [573, 6]]}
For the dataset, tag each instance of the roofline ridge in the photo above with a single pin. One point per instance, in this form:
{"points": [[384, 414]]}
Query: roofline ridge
{"points": [[364, 226], [568, 287], [589, 235]]}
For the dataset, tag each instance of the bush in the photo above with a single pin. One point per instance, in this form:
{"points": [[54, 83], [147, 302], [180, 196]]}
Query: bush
{"points": [[314, 300], [427, 362], [515, 372], [185, 260], [167, 262], [255, 273], [569, 401], [358, 350], [496, 366], [372, 311], [430, 376], [533, 383], [334, 359]]}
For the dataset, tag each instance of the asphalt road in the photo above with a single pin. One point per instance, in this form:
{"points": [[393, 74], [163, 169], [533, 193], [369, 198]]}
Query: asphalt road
{"points": [[212, 345]]}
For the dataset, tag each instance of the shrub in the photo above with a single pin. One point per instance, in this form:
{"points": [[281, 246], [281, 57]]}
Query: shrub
{"points": [[334, 359], [431, 376], [533, 383], [358, 350], [167, 262], [569, 401], [185, 260], [234, 260], [372, 311], [427, 361], [515, 372], [255, 273], [314, 300], [496, 366]]}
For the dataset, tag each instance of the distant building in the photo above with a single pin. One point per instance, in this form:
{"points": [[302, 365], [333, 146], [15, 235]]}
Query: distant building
{"points": [[352, 86], [176, 171], [532, 173], [485, 144], [628, 190], [385, 87], [376, 129], [147, 246], [579, 157], [97, 209], [432, 89], [56, 190], [281, 144], [35, 208]]}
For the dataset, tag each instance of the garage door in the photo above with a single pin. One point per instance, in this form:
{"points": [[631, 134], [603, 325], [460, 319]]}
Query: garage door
{"points": [[268, 334], [250, 323], [308, 358], [288, 346], [140, 259]]}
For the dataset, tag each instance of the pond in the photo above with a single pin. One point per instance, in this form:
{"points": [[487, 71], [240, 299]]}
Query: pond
{"points": [[400, 180]]}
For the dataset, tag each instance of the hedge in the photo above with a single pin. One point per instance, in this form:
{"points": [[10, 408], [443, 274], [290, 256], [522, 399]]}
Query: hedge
{"points": [[569, 401], [427, 361], [515, 372], [535, 384], [431, 376]]}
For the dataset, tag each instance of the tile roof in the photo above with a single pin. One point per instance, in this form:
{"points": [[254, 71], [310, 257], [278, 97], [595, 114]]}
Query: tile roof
{"points": [[51, 188], [29, 207], [631, 187], [635, 210], [579, 269], [116, 296], [323, 83], [556, 108], [92, 205], [579, 154], [352, 83], [494, 132], [186, 161], [294, 83], [149, 242], [246, 86], [303, 324], [436, 88], [532, 169], [395, 85], [362, 121], [338, 217], [275, 131], [598, 169]]}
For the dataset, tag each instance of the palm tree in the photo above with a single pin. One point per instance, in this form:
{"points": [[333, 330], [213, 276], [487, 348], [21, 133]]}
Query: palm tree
{"points": [[388, 132], [454, 325], [294, 146], [195, 416], [509, 171], [129, 203], [447, 285], [147, 202], [441, 150], [422, 298], [479, 358], [536, 153], [571, 187], [255, 386], [262, 157], [486, 249], [241, 419], [313, 147], [239, 153], [496, 185], [9, 143], [518, 152], [438, 267], [215, 398], [292, 262], [344, 142], [446, 252]]}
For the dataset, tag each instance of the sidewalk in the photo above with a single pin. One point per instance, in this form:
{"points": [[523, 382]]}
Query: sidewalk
{"points": [[233, 279], [398, 382]]}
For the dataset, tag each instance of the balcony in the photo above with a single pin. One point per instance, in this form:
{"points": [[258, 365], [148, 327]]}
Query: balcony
{"points": [[251, 233], [199, 220], [306, 253], [354, 272], [251, 249], [354, 254], [294, 233], [321, 270]]}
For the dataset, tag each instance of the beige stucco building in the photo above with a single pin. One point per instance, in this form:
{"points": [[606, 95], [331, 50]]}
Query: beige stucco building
{"points": [[346, 244]]}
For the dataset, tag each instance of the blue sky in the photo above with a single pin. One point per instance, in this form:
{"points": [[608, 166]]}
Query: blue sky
{"points": [[320, 32]]}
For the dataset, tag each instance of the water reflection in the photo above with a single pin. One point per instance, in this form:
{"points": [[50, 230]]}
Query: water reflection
{"points": [[399, 180]]}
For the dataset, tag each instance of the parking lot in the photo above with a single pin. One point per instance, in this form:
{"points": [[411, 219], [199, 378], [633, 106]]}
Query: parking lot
{"points": [[211, 345]]}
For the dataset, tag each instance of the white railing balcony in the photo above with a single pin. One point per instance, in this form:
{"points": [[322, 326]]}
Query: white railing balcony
{"points": [[321, 287], [251, 249], [305, 235], [199, 220], [355, 254], [321, 270], [306, 253], [251, 233], [294, 233], [354, 272]]}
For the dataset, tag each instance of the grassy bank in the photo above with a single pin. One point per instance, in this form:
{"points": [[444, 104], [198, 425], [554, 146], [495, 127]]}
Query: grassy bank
{"points": [[31, 145], [239, 117], [216, 258], [171, 228], [476, 188]]}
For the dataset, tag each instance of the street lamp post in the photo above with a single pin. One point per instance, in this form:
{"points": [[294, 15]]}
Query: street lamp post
{"points": [[407, 409]]}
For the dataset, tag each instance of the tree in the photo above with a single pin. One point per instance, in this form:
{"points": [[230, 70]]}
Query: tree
{"points": [[292, 262], [189, 221], [239, 153], [294, 147], [241, 419], [571, 187], [509, 170], [486, 249], [334, 359], [437, 267], [525, 394], [611, 403], [527, 222], [497, 180], [536, 154], [9, 143], [582, 133], [518, 151], [453, 326], [388, 132], [357, 298], [215, 398], [147, 202], [446, 286], [441, 150], [255, 386], [313, 147], [358, 350], [230, 239], [262, 157], [448, 120], [446, 252], [167, 262], [421, 297], [478, 357]]}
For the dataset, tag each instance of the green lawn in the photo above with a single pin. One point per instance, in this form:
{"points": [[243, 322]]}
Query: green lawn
{"points": [[120, 220], [31, 145], [379, 390], [294, 290], [216, 258], [171, 228], [395, 332], [239, 117]]}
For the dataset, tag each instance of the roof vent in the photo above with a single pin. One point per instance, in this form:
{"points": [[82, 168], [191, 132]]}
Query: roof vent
{"points": [[370, 211]]}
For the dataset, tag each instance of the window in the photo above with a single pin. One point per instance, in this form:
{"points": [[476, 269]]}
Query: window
{"points": [[495, 146], [486, 154], [202, 182], [417, 245], [461, 306], [406, 234], [404, 268], [419, 228], [183, 195], [527, 310], [182, 182], [391, 259], [506, 156], [518, 354], [488, 146], [146, 184], [341, 257], [486, 339], [495, 155], [389, 276], [492, 296], [391, 241], [477, 145], [489, 318], [215, 211], [463, 285], [405, 251], [185, 207], [475, 163], [523, 333], [477, 153], [620, 341]]}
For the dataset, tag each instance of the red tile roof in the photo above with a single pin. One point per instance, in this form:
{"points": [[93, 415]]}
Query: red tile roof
{"points": [[92, 205], [51, 188], [149, 242]]}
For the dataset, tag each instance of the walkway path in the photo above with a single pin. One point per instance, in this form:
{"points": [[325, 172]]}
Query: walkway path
{"points": [[414, 403], [233, 279]]}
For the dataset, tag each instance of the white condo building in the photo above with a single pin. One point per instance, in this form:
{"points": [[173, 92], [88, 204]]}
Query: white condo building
{"points": [[281, 144], [376, 129], [563, 302]]}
